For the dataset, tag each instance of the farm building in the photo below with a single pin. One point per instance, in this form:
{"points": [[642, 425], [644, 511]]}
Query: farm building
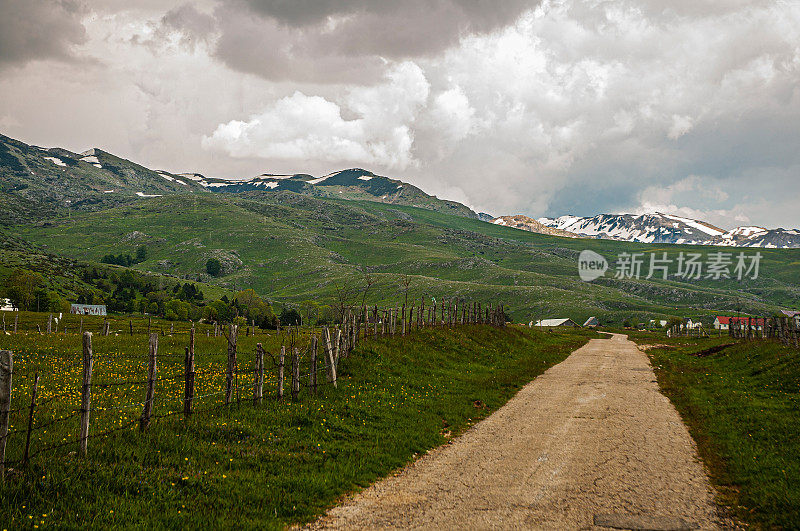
{"points": [[7, 306], [723, 322], [689, 323], [552, 323], [793, 315], [88, 309], [591, 322]]}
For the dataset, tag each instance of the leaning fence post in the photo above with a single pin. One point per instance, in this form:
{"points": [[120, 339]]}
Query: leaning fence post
{"points": [[188, 390], [86, 393], [330, 362], [34, 391], [16, 320], [281, 361], [258, 389], [6, 371], [147, 411], [295, 373]]}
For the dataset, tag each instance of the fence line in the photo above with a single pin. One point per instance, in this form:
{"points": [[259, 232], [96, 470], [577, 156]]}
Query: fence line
{"points": [[337, 343], [781, 328]]}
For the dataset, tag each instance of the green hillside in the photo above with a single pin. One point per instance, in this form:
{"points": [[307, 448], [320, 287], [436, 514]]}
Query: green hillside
{"points": [[292, 247]]}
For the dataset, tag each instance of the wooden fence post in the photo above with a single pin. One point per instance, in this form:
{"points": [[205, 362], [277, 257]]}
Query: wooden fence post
{"points": [[330, 362], [313, 371], [86, 393], [258, 389], [336, 348], [34, 391], [6, 372], [147, 410], [295, 374], [281, 362], [16, 320], [189, 374], [232, 372]]}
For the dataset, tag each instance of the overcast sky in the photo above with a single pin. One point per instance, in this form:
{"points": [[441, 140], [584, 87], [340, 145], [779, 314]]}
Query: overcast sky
{"points": [[552, 108]]}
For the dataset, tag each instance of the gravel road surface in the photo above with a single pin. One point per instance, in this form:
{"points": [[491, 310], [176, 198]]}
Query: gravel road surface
{"points": [[589, 444]]}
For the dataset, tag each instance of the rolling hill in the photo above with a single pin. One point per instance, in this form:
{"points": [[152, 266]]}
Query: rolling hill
{"points": [[291, 247], [38, 183]]}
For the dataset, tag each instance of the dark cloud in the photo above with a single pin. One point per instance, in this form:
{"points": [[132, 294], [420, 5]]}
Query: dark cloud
{"points": [[326, 41], [194, 26], [39, 29]]}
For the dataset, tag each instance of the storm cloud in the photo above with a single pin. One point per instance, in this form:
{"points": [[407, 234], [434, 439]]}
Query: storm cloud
{"points": [[39, 29]]}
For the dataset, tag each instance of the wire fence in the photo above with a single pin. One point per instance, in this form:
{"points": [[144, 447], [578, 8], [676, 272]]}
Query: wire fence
{"points": [[75, 406], [782, 328]]}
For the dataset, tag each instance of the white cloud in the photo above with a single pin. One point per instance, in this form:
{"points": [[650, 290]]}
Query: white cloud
{"points": [[301, 127]]}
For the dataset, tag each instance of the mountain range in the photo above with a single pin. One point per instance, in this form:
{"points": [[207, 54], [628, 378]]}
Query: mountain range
{"points": [[37, 183], [668, 228]]}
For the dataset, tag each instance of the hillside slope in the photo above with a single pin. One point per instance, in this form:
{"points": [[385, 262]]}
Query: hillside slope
{"points": [[37, 183], [294, 247]]}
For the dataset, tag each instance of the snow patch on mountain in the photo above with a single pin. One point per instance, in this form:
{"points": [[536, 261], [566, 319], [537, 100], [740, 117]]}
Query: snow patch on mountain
{"points": [[668, 228], [55, 160]]}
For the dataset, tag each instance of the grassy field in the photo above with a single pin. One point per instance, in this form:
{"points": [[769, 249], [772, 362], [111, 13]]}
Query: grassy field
{"points": [[293, 248], [741, 402], [250, 465]]}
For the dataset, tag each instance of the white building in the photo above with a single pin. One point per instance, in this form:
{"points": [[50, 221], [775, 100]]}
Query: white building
{"points": [[7, 306], [88, 309], [552, 323]]}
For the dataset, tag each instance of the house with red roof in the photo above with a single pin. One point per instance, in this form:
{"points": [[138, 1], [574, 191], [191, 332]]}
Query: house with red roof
{"points": [[723, 322]]}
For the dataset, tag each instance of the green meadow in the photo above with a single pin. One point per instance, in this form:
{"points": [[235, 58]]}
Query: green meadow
{"points": [[247, 465], [741, 402]]}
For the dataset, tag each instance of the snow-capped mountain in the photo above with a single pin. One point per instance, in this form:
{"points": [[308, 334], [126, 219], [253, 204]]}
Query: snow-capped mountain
{"points": [[668, 228], [530, 224]]}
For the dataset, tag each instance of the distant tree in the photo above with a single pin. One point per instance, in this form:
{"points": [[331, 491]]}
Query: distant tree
{"points": [[22, 287], [213, 267], [290, 317], [141, 254]]}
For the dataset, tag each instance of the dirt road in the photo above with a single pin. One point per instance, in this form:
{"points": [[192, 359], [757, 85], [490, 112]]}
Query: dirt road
{"points": [[590, 443]]}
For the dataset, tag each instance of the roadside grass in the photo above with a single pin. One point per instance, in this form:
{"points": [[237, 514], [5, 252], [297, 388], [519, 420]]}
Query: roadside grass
{"points": [[265, 465], [741, 404]]}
